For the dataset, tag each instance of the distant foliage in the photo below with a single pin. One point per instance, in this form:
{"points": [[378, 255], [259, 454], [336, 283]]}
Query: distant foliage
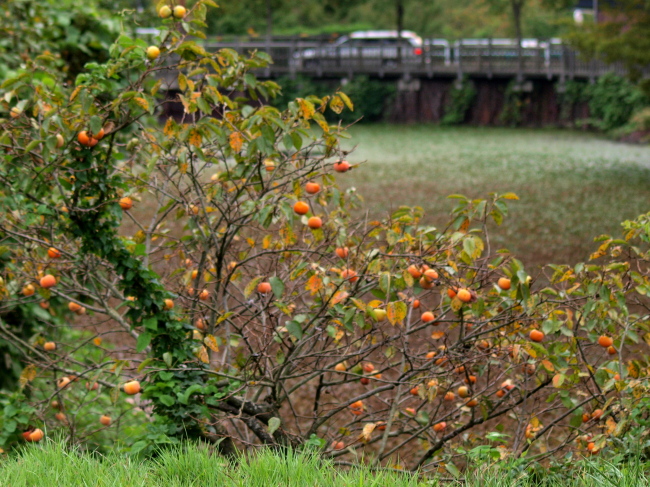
{"points": [[371, 97], [613, 100], [460, 101]]}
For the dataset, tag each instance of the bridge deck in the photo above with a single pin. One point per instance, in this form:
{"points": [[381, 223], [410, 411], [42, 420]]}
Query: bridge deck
{"points": [[436, 60]]}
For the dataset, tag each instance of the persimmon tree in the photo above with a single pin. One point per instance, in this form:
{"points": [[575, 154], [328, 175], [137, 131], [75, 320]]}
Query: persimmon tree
{"points": [[209, 267]]}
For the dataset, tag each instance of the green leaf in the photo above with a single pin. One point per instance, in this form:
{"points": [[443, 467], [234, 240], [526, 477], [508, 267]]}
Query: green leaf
{"points": [[145, 363], [294, 329], [167, 357], [95, 124], [277, 286], [144, 339], [166, 400], [274, 424]]}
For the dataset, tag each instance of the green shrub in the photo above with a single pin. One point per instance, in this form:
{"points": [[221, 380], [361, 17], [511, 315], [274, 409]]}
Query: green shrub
{"points": [[370, 98], [613, 100], [460, 100]]}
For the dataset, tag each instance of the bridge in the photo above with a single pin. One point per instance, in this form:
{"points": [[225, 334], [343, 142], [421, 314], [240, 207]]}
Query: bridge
{"points": [[437, 58]]}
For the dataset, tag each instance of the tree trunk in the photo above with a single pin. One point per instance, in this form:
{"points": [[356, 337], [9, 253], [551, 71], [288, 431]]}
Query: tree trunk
{"points": [[517, 6], [400, 28], [269, 21]]}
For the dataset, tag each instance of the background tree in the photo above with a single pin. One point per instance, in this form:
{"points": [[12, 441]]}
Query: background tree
{"points": [[621, 35], [205, 278]]}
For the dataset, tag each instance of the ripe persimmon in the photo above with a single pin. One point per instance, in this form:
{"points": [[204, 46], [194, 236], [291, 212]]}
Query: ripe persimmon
{"points": [[132, 387], [341, 166], [49, 346], [504, 283], [340, 367], [264, 287], [431, 275], [338, 445], [48, 281], [312, 188], [169, 304], [536, 335], [165, 12], [153, 52], [368, 367], [416, 303], [342, 252], [126, 203], [301, 208], [449, 396], [415, 391], [86, 139], [605, 341], [611, 350], [315, 222], [464, 295], [105, 420], [53, 253], [28, 290], [36, 435], [179, 12], [349, 275], [451, 292], [414, 271], [427, 317], [438, 427]]}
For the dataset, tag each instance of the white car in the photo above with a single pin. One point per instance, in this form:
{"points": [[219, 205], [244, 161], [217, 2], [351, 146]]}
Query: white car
{"points": [[383, 47]]}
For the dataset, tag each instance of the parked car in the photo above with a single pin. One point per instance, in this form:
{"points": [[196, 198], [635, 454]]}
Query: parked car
{"points": [[383, 47]]}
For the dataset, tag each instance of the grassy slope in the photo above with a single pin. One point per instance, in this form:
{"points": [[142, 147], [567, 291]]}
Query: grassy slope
{"points": [[572, 186], [51, 465]]}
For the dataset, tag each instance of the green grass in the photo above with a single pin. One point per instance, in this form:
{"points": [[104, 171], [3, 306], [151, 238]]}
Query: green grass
{"points": [[573, 186], [50, 464]]}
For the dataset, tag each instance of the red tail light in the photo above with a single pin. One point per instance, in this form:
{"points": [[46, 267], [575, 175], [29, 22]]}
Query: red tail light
{"points": [[417, 51]]}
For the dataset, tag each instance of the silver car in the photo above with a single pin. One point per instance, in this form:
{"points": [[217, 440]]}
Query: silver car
{"points": [[375, 47]]}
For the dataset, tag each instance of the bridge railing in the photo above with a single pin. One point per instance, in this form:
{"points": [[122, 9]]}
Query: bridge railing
{"points": [[477, 57]]}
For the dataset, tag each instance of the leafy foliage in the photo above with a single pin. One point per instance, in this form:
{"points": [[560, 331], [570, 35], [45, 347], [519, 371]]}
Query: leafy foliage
{"points": [[258, 309], [460, 101]]}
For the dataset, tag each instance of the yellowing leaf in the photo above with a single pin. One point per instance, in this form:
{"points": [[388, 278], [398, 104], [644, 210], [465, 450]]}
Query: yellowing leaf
{"points": [[366, 433], [338, 297], [251, 286], [336, 104], [610, 425], [437, 335], [27, 375], [195, 137], [510, 196], [548, 365], [558, 380], [202, 355], [396, 312], [142, 103], [236, 141], [97, 341], [375, 303], [314, 284], [170, 127], [266, 242], [75, 92], [211, 342], [306, 108]]}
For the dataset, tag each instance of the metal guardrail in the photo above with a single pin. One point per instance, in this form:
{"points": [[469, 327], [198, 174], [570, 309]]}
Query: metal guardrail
{"points": [[473, 57], [436, 57]]}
